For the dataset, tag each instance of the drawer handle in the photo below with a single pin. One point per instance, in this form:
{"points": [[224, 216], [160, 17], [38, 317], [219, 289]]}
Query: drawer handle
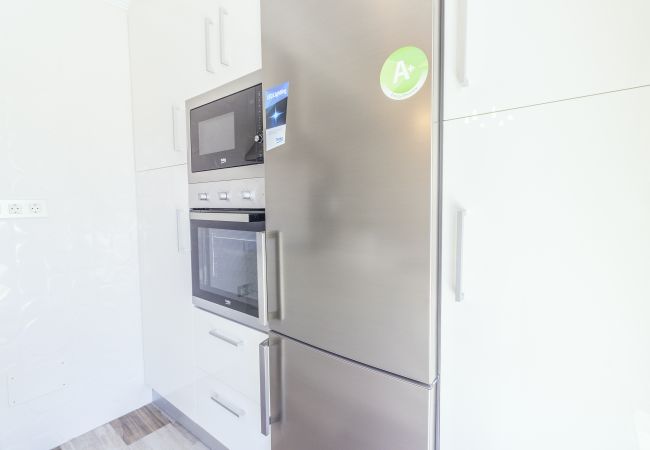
{"points": [[232, 409], [231, 341]]}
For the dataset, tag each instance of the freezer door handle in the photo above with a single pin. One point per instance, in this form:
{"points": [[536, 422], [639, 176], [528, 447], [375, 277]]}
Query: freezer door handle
{"points": [[265, 390]]}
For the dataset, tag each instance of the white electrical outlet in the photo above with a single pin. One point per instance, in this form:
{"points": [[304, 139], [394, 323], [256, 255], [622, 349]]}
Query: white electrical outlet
{"points": [[23, 209], [15, 209]]}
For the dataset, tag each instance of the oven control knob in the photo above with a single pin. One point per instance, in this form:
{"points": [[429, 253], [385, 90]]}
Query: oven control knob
{"points": [[204, 196], [258, 138], [224, 195], [247, 195]]}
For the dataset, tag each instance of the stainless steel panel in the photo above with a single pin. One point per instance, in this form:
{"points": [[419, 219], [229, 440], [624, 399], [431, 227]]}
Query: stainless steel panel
{"points": [[223, 311], [350, 198], [207, 195], [221, 217], [323, 402], [233, 173]]}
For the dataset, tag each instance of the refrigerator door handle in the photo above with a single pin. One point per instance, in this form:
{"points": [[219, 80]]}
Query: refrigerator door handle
{"points": [[460, 235], [265, 391]]}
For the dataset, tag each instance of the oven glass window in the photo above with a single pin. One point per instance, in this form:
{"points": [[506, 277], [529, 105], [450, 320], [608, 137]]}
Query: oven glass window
{"points": [[217, 134], [227, 263]]}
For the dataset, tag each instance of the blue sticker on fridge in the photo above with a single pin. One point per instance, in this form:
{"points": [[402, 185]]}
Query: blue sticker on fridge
{"points": [[275, 100]]}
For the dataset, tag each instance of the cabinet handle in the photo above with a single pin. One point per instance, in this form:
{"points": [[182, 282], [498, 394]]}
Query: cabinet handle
{"points": [[265, 391], [223, 48], [460, 234], [232, 409], [231, 341], [180, 231], [176, 135], [462, 70], [208, 27]]}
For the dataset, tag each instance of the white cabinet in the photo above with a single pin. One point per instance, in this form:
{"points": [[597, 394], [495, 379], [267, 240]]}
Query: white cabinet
{"points": [[228, 351], [179, 49], [228, 387], [518, 53], [165, 282], [549, 347]]}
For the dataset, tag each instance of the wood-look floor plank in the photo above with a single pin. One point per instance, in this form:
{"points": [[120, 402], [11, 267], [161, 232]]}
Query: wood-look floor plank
{"points": [[169, 437], [102, 438], [139, 423]]}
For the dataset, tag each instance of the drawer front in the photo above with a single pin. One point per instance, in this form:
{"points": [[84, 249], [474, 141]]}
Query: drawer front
{"points": [[232, 418], [228, 352]]}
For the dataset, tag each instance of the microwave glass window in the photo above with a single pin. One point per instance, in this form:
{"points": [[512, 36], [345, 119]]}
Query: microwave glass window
{"points": [[217, 134], [228, 264]]}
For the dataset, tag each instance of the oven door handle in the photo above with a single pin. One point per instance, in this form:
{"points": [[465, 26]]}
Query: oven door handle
{"points": [[220, 217], [261, 278]]}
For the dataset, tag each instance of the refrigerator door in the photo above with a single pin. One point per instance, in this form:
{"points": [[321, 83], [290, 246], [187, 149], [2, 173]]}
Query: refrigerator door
{"points": [[323, 402], [351, 194]]}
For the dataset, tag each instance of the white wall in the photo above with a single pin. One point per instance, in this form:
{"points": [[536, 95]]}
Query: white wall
{"points": [[69, 300]]}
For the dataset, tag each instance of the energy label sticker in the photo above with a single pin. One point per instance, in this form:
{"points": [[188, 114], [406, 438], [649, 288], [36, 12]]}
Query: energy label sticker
{"points": [[275, 100], [404, 73]]}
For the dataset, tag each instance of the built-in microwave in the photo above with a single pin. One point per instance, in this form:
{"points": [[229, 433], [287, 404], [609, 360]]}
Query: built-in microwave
{"points": [[229, 264], [225, 130]]}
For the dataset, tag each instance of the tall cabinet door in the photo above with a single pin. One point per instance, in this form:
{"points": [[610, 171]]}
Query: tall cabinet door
{"points": [[322, 402], [165, 281], [548, 346], [180, 49], [502, 54], [348, 196]]}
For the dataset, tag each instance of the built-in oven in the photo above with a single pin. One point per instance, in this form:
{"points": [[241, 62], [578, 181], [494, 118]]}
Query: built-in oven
{"points": [[228, 264], [225, 129]]}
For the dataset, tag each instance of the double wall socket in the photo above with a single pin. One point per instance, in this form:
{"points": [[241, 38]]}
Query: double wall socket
{"points": [[22, 209]]}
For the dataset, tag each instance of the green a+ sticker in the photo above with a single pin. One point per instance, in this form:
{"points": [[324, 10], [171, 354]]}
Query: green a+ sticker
{"points": [[404, 73]]}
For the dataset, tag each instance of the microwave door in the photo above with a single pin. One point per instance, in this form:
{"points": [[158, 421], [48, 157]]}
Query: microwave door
{"points": [[227, 132]]}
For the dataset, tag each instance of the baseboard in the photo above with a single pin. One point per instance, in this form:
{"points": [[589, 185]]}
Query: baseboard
{"points": [[178, 416]]}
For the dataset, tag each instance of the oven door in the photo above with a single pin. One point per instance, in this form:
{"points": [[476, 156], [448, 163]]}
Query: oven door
{"points": [[228, 266], [227, 132]]}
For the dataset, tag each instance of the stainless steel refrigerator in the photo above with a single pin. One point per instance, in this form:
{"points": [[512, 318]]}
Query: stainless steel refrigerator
{"points": [[352, 220]]}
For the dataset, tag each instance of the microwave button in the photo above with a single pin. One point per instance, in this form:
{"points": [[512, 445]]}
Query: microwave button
{"points": [[247, 195], [258, 138], [203, 196], [224, 196]]}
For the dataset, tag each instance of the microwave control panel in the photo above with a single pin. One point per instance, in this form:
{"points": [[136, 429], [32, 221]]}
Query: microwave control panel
{"points": [[229, 194]]}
